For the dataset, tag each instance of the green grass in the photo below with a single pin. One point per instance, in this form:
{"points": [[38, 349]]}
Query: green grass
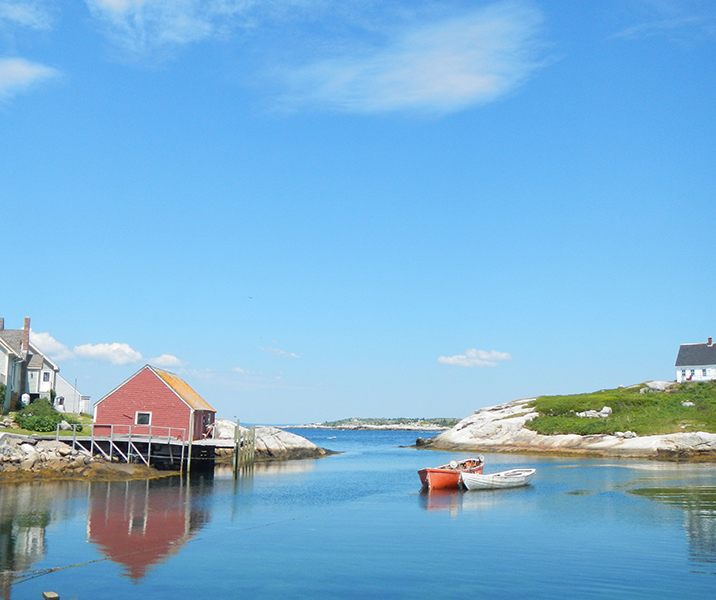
{"points": [[84, 419], [644, 414]]}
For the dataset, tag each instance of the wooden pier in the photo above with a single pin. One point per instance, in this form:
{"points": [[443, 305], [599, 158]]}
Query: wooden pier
{"points": [[159, 447]]}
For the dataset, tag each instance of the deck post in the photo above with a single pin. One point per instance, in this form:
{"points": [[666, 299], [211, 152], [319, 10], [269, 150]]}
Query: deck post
{"points": [[149, 448], [252, 444], [183, 445], [237, 447], [191, 437]]}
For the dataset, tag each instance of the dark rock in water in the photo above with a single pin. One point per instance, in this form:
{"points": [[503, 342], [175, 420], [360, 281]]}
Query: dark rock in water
{"points": [[423, 441]]}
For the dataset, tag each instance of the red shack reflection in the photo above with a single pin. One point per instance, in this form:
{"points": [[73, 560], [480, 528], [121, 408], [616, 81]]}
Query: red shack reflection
{"points": [[139, 524]]}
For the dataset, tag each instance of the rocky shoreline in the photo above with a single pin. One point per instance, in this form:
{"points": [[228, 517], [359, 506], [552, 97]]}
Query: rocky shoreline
{"points": [[25, 457], [502, 428], [272, 443]]}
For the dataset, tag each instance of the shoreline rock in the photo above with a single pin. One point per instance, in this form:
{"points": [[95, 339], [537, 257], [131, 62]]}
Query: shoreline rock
{"points": [[25, 458], [272, 443], [502, 429]]}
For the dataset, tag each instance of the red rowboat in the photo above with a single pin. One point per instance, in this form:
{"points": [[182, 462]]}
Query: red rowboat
{"points": [[448, 476]]}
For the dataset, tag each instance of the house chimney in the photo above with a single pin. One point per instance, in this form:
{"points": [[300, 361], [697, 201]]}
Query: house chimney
{"points": [[710, 342], [2, 323], [26, 336]]}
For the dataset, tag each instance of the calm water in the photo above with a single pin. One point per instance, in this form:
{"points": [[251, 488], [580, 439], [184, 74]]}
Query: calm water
{"points": [[356, 526]]}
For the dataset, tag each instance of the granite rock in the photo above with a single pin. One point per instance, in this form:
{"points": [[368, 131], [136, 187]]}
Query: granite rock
{"points": [[502, 428]]}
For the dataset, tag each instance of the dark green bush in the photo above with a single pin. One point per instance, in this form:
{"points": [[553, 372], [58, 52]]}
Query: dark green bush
{"points": [[41, 416]]}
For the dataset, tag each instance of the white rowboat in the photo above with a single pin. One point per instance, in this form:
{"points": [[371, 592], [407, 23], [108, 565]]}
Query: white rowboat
{"points": [[496, 481]]}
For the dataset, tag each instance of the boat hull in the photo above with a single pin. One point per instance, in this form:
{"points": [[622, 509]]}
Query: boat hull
{"points": [[496, 481], [446, 477]]}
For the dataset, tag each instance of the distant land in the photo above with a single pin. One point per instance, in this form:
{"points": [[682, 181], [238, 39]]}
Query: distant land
{"points": [[396, 424]]}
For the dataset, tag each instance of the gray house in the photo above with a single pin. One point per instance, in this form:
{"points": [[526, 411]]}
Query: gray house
{"points": [[696, 362]]}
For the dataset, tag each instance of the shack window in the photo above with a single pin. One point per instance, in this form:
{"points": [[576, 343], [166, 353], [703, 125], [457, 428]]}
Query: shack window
{"points": [[45, 376], [143, 418]]}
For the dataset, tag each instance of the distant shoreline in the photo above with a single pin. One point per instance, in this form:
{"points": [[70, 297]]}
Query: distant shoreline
{"points": [[367, 427]]}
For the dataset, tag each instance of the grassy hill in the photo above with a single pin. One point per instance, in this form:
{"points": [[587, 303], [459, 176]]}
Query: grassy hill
{"points": [[644, 413]]}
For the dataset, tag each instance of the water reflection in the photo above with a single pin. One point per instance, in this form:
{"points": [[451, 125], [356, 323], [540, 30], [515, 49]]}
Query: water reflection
{"points": [[454, 501], [224, 471], [26, 509], [699, 505], [139, 524]]}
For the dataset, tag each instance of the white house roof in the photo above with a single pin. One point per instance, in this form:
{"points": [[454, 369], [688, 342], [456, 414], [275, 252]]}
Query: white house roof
{"points": [[12, 338], [696, 355]]}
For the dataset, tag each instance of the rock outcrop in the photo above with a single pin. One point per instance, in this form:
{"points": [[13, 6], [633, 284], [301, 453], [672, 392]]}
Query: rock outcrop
{"points": [[502, 428], [272, 443]]}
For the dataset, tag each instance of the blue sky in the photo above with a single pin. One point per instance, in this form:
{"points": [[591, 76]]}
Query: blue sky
{"points": [[313, 209]]}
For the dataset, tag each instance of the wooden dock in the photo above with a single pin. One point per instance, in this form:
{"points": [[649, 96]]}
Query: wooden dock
{"points": [[159, 447]]}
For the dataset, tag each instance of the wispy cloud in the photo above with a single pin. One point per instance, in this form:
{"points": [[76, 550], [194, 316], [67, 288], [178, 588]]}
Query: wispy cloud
{"points": [[142, 26], [18, 74], [278, 352], [682, 19], [475, 358], [440, 66], [116, 353], [25, 13]]}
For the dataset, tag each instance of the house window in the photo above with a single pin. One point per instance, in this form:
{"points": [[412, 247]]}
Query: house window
{"points": [[703, 372], [45, 376], [693, 372], [142, 418], [683, 373]]}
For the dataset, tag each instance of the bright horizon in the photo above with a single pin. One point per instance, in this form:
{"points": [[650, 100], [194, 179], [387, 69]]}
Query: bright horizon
{"points": [[313, 210]]}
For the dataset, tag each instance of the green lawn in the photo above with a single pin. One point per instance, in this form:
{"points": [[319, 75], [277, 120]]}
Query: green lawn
{"points": [[645, 414]]}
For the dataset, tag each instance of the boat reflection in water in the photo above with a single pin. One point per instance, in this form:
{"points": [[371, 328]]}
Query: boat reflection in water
{"points": [[456, 500], [139, 524]]}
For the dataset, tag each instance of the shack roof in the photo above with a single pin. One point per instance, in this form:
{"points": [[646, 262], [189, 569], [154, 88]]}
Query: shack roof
{"points": [[696, 355], [175, 383], [182, 389]]}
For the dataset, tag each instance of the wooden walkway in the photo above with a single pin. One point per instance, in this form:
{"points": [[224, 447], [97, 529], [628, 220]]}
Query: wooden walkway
{"points": [[161, 447]]}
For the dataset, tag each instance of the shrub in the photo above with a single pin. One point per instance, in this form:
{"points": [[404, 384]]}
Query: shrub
{"points": [[41, 416]]}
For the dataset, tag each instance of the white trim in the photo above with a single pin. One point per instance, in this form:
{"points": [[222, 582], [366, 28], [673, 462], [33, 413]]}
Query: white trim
{"points": [[142, 412]]}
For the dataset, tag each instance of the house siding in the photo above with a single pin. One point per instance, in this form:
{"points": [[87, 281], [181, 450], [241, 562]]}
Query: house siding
{"points": [[684, 373], [145, 392]]}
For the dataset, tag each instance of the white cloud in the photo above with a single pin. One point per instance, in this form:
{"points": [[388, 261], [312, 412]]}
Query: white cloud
{"points": [[166, 360], [440, 66], [279, 352], [50, 346], [18, 74], [117, 354], [475, 358]]}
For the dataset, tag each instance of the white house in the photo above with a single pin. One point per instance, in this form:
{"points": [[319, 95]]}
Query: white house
{"points": [[696, 362], [68, 399], [24, 369]]}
